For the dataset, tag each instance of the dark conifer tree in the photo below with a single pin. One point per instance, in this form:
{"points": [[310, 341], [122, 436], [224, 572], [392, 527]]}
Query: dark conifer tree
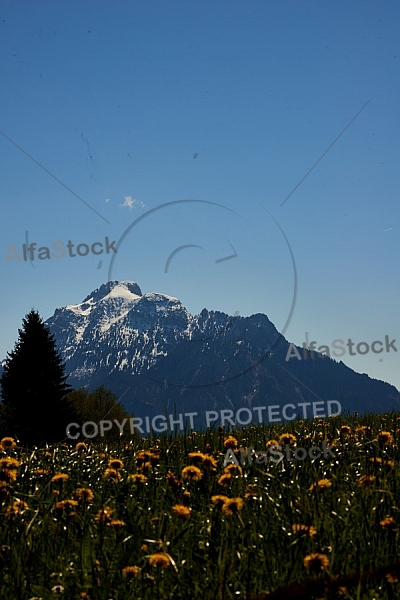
{"points": [[34, 408]]}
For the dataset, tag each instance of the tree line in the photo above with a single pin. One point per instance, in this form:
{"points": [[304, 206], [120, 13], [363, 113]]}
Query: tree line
{"points": [[37, 403]]}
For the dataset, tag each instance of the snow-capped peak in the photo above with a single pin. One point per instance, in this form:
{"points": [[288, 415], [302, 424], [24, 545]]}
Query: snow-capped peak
{"points": [[116, 288], [112, 290]]}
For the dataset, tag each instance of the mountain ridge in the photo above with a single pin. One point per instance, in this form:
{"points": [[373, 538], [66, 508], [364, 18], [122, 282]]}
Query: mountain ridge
{"points": [[157, 357]]}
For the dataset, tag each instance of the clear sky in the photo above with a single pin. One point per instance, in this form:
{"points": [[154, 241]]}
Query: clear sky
{"points": [[133, 105]]}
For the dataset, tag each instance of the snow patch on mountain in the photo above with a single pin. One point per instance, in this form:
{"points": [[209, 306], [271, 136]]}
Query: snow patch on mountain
{"points": [[135, 328]]}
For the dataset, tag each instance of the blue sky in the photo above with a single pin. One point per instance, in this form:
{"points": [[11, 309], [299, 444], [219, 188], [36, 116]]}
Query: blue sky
{"points": [[135, 105]]}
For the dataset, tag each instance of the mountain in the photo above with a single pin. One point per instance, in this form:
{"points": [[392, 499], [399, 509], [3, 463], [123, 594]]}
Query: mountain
{"points": [[162, 361], [158, 358]]}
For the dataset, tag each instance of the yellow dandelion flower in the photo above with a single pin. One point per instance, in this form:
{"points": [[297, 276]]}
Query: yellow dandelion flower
{"points": [[271, 443], [67, 506], [9, 463], [377, 460], [192, 473], [20, 505], [9, 475], [316, 562], [196, 457], [181, 511], [130, 572], [321, 484], [104, 515], [84, 494], [116, 464], [112, 474], [232, 468], [17, 508], [250, 496], [345, 429], [173, 482], [388, 523], [142, 456], [230, 442], [159, 559], [116, 523], [81, 446], [144, 548], [232, 506], [41, 472], [362, 430], [219, 500], [137, 478], [59, 477], [287, 439], [392, 578], [366, 480], [304, 529], [385, 438], [312, 531], [225, 480], [7, 443]]}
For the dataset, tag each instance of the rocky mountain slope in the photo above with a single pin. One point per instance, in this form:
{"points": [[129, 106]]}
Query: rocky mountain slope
{"points": [[157, 357], [161, 360]]}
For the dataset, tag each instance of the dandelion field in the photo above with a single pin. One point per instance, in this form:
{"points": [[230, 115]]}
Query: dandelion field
{"points": [[162, 518]]}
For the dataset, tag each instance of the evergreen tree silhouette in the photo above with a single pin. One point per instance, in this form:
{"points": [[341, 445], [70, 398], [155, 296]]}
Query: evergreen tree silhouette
{"points": [[34, 408]]}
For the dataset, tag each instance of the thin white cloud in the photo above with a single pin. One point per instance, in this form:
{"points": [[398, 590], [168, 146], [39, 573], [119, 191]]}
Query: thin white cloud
{"points": [[132, 203], [107, 200]]}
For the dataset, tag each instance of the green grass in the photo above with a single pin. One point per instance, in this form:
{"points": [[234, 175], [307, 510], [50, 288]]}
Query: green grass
{"points": [[212, 555]]}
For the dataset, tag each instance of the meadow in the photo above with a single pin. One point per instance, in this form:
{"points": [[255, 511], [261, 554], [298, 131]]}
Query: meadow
{"points": [[162, 518]]}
